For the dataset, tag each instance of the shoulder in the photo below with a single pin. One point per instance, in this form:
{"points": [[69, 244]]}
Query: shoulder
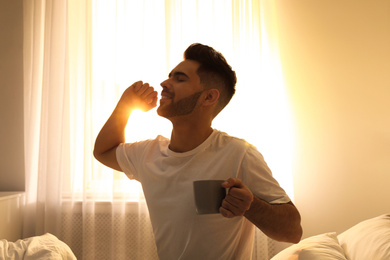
{"points": [[157, 140], [160, 142], [224, 139], [238, 146]]}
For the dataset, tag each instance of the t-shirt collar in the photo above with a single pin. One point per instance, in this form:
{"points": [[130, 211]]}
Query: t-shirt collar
{"points": [[197, 149]]}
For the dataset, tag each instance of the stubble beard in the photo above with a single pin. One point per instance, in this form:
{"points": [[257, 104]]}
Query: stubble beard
{"points": [[182, 107]]}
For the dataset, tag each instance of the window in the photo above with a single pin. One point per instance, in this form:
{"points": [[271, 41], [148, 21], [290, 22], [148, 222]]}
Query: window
{"points": [[127, 41]]}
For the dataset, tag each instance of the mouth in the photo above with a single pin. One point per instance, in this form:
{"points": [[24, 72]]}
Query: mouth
{"points": [[166, 96]]}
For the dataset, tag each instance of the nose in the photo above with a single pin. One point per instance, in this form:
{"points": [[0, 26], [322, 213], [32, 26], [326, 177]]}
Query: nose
{"points": [[164, 83]]}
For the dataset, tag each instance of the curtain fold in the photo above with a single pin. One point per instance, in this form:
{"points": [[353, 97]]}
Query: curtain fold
{"points": [[80, 55], [45, 85]]}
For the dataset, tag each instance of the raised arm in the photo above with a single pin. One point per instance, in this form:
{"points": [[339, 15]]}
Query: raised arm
{"points": [[137, 96]]}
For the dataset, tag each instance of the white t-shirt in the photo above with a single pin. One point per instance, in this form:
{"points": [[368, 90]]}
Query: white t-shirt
{"points": [[167, 181]]}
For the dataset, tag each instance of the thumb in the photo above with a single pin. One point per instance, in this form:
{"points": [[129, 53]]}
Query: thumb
{"points": [[232, 182]]}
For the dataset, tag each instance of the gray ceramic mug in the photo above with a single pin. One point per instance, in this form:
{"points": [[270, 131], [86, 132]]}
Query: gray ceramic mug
{"points": [[208, 195]]}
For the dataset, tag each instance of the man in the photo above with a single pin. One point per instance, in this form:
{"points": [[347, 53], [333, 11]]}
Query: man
{"points": [[196, 90]]}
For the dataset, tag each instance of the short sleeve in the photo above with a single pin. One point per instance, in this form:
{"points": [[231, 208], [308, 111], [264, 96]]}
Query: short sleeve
{"points": [[256, 174], [126, 155], [132, 157]]}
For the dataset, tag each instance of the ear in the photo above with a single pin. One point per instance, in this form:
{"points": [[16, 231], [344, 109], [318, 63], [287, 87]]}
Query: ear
{"points": [[211, 98]]}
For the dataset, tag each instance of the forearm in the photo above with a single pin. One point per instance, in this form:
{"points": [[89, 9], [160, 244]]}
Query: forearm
{"points": [[137, 96], [113, 131], [281, 222]]}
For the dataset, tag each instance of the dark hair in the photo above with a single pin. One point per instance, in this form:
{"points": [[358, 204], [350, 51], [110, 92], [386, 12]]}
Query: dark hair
{"points": [[214, 72]]}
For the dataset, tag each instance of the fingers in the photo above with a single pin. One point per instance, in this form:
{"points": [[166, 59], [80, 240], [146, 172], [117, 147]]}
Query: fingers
{"points": [[226, 213], [153, 102], [142, 96], [238, 200], [144, 90], [137, 86], [149, 95]]}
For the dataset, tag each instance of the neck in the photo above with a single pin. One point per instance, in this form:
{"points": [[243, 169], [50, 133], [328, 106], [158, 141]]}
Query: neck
{"points": [[186, 137]]}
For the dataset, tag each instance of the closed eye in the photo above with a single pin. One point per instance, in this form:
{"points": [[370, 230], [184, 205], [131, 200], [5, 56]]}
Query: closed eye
{"points": [[180, 79], [179, 76]]}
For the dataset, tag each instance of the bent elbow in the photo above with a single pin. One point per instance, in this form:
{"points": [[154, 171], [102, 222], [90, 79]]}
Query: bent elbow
{"points": [[296, 238], [97, 155], [295, 235]]}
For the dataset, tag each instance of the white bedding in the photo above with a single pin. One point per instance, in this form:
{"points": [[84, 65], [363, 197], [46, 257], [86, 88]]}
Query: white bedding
{"points": [[40, 247], [367, 240]]}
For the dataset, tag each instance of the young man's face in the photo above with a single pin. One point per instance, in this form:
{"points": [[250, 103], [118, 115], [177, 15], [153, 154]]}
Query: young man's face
{"points": [[181, 90]]}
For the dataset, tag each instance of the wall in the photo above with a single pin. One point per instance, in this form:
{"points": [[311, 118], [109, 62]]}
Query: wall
{"points": [[336, 61], [11, 96]]}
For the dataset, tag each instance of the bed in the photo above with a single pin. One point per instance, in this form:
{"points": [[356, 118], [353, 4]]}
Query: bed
{"points": [[43, 247], [367, 240]]}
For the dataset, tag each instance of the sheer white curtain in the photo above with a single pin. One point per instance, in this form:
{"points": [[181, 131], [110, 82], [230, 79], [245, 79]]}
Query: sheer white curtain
{"points": [[80, 55], [45, 87]]}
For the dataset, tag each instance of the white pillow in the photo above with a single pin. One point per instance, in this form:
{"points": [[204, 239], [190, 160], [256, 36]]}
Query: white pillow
{"points": [[323, 247], [45, 247], [370, 239]]}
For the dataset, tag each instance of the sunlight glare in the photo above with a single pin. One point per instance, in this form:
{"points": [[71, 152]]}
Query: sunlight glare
{"points": [[259, 112], [146, 125]]}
